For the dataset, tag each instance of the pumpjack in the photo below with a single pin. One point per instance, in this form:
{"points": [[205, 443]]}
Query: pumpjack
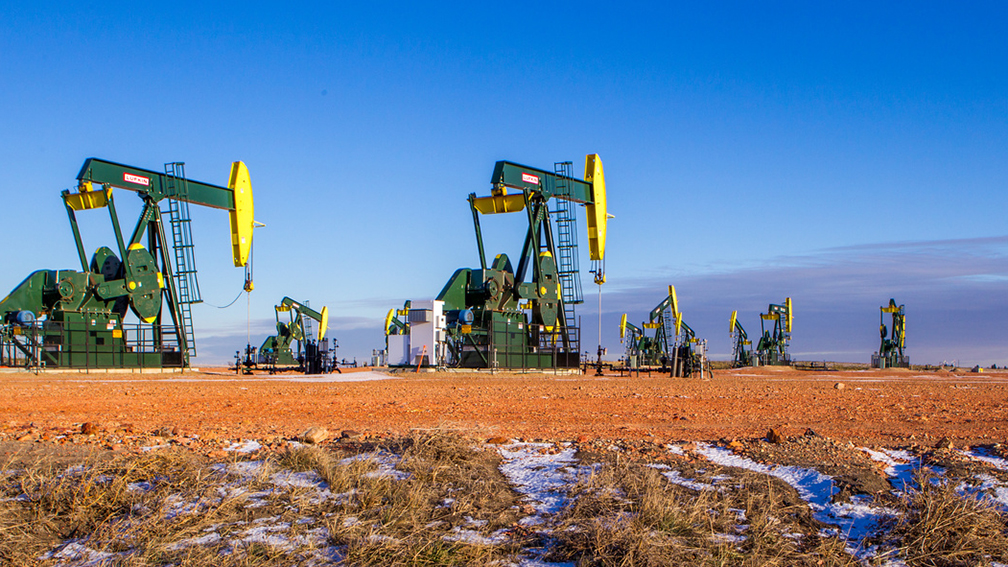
{"points": [[638, 346], [77, 319], [397, 336], [276, 350], [394, 325], [772, 349], [500, 316], [742, 354], [673, 346], [890, 353]]}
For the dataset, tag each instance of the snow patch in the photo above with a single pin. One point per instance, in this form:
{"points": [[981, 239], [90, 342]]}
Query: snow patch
{"points": [[675, 477], [988, 487], [472, 537], [143, 486], [856, 519], [899, 465], [80, 555], [365, 376], [540, 475], [246, 446], [984, 456]]}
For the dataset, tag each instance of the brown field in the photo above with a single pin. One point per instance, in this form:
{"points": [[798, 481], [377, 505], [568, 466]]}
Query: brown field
{"points": [[418, 469], [891, 408]]}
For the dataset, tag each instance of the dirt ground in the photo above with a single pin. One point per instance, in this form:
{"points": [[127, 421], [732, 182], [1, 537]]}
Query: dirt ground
{"points": [[888, 408]]}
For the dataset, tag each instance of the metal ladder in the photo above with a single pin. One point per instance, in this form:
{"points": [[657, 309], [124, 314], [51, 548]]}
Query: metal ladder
{"points": [[565, 217], [668, 327], [308, 322], [185, 258]]}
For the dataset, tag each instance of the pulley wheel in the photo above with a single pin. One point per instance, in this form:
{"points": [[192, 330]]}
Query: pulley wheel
{"points": [[142, 284], [106, 263]]}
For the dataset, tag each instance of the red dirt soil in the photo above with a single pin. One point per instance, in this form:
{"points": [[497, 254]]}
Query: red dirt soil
{"points": [[891, 408]]}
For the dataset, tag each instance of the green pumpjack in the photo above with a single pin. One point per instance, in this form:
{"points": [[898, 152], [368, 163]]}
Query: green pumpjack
{"points": [[77, 319], [890, 353], [742, 352], [276, 350], [502, 317], [772, 348], [672, 347]]}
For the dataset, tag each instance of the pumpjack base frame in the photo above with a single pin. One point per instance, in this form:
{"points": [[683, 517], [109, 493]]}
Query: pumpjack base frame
{"points": [[894, 361], [506, 343], [91, 344]]}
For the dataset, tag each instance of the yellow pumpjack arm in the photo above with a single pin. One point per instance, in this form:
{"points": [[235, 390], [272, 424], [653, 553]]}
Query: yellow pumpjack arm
{"points": [[322, 317]]}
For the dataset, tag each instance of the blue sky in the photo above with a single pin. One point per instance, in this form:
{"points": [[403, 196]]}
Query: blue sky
{"points": [[840, 155]]}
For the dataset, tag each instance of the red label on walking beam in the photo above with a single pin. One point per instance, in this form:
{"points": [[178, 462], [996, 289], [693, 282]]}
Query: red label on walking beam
{"points": [[137, 179]]}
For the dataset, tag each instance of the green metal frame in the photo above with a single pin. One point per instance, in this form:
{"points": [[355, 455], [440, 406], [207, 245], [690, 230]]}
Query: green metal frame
{"points": [[666, 348], [105, 172], [497, 295], [742, 354], [276, 349], [85, 310], [890, 354], [772, 348]]}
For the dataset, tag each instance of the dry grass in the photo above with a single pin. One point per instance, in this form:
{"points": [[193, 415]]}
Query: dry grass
{"points": [[939, 527], [630, 515], [450, 485], [444, 503], [93, 503], [371, 518]]}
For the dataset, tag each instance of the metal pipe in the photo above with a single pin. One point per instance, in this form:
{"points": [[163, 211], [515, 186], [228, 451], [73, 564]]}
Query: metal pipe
{"points": [[118, 230], [479, 232], [76, 232]]}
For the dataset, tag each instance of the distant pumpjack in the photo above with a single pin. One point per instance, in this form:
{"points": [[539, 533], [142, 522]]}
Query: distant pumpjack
{"points": [[890, 353], [276, 350], [772, 349], [742, 354], [674, 346]]}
